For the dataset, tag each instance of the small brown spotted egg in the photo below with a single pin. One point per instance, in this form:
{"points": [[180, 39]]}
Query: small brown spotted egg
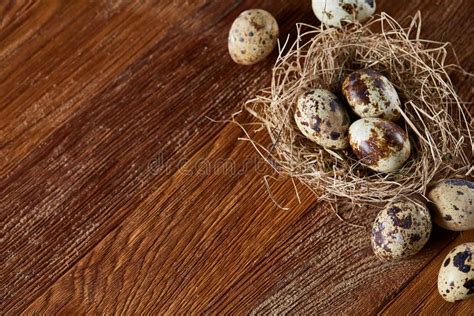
{"points": [[453, 204], [252, 37], [371, 94], [456, 275], [338, 12], [400, 230], [379, 144], [322, 118]]}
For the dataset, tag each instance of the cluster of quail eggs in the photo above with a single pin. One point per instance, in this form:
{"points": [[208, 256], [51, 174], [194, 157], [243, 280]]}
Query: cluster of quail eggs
{"points": [[402, 228], [375, 139], [453, 209]]}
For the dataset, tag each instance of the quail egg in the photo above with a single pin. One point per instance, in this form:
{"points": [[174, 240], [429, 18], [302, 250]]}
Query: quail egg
{"points": [[323, 119], [453, 204], [371, 94], [337, 12], [379, 144], [252, 36], [456, 275], [400, 230]]}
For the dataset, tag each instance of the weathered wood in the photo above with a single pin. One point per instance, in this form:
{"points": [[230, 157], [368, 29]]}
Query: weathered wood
{"points": [[118, 194]]}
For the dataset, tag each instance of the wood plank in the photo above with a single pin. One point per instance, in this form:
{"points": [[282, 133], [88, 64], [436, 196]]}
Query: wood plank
{"points": [[164, 232], [99, 96], [83, 178], [72, 61], [233, 250]]}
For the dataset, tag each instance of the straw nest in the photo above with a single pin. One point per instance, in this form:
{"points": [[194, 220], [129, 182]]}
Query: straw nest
{"points": [[438, 124]]}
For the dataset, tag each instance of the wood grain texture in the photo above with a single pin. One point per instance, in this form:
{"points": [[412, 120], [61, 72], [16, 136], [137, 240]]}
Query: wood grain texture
{"points": [[117, 194]]}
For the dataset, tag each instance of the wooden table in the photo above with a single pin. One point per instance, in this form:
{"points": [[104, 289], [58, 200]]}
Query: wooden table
{"points": [[119, 195]]}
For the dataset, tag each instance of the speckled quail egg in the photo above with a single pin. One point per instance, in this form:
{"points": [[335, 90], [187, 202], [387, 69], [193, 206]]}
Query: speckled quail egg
{"points": [[371, 94], [252, 36], [338, 12], [453, 204], [323, 119], [456, 275], [400, 230], [379, 144]]}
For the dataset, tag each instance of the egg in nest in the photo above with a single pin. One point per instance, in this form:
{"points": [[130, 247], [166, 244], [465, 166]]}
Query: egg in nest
{"points": [[370, 94], [379, 144], [323, 119], [337, 12]]}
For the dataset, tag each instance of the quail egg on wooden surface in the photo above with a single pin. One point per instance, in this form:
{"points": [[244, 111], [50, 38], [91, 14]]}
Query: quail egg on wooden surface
{"points": [[323, 119], [456, 275], [453, 201], [371, 94], [379, 144], [252, 36], [400, 230], [337, 12]]}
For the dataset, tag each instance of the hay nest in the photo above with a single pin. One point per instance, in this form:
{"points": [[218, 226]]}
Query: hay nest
{"points": [[438, 123]]}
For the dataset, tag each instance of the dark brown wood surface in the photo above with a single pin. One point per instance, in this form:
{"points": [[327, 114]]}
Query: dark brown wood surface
{"points": [[118, 194]]}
